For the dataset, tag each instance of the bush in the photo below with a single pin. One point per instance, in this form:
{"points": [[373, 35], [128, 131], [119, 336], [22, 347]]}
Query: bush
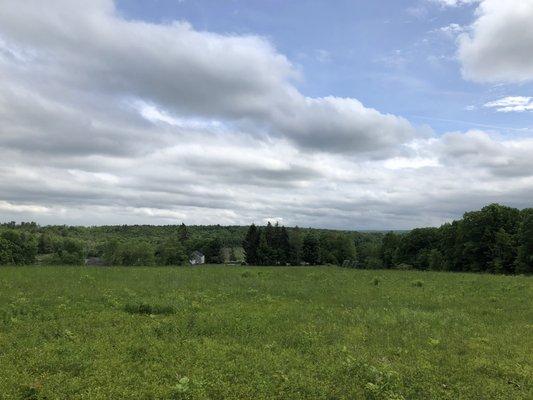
{"points": [[418, 283], [171, 252], [129, 253], [146, 309], [373, 263], [69, 252], [17, 248]]}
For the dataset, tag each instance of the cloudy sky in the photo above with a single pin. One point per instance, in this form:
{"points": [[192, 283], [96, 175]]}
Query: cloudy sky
{"points": [[356, 114]]}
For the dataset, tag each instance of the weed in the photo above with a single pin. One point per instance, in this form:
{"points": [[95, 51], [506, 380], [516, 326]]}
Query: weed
{"points": [[148, 309]]}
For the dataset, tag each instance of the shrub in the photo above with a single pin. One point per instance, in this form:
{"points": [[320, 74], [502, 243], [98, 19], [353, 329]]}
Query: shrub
{"points": [[373, 263], [146, 309], [69, 252], [17, 248], [418, 283]]}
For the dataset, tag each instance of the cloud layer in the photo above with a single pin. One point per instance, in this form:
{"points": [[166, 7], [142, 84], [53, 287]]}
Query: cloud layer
{"points": [[108, 120], [238, 79]]}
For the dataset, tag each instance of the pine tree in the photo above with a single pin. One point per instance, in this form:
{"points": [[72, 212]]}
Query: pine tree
{"points": [[251, 245], [265, 253], [183, 233], [310, 251], [296, 244], [284, 249]]}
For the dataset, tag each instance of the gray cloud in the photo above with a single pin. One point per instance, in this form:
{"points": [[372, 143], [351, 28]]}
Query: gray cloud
{"points": [[187, 72], [506, 158]]}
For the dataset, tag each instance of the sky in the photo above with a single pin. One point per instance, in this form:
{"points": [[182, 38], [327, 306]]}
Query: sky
{"points": [[346, 114]]}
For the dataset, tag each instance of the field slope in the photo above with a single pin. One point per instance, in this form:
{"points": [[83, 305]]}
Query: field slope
{"points": [[263, 333]]}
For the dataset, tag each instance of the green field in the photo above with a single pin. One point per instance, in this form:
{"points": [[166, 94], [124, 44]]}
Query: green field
{"points": [[263, 333]]}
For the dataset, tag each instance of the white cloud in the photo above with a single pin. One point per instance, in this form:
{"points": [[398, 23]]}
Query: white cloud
{"points": [[22, 208], [452, 29], [455, 3], [499, 47], [323, 56], [512, 104]]}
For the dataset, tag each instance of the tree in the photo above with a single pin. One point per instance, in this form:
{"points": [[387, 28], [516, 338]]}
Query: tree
{"points": [[183, 233], [265, 253], [414, 247], [436, 260], [232, 256], [296, 244], [310, 249], [17, 248], [344, 249], [284, 247], [111, 252], [213, 251], [47, 244], [251, 245], [524, 261], [484, 236], [389, 249], [503, 253], [69, 252], [129, 253], [171, 252], [137, 253]]}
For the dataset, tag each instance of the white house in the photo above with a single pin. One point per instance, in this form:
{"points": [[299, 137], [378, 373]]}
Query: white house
{"points": [[196, 258]]}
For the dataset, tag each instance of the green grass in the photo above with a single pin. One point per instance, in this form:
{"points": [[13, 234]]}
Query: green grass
{"points": [[263, 333]]}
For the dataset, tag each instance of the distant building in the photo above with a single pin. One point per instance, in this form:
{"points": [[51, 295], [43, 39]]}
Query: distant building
{"points": [[94, 261], [196, 258]]}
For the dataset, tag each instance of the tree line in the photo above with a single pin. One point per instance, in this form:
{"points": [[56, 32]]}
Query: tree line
{"points": [[273, 245], [28, 243], [495, 239]]}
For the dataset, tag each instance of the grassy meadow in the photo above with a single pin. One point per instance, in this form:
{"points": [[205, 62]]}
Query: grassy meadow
{"points": [[263, 333]]}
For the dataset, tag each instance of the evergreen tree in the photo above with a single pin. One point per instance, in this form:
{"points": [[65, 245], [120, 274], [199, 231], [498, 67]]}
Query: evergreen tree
{"points": [[310, 250], [213, 251], [183, 233], [265, 253], [270, 235], [284, 249], [251, 245], [296, 244]]}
